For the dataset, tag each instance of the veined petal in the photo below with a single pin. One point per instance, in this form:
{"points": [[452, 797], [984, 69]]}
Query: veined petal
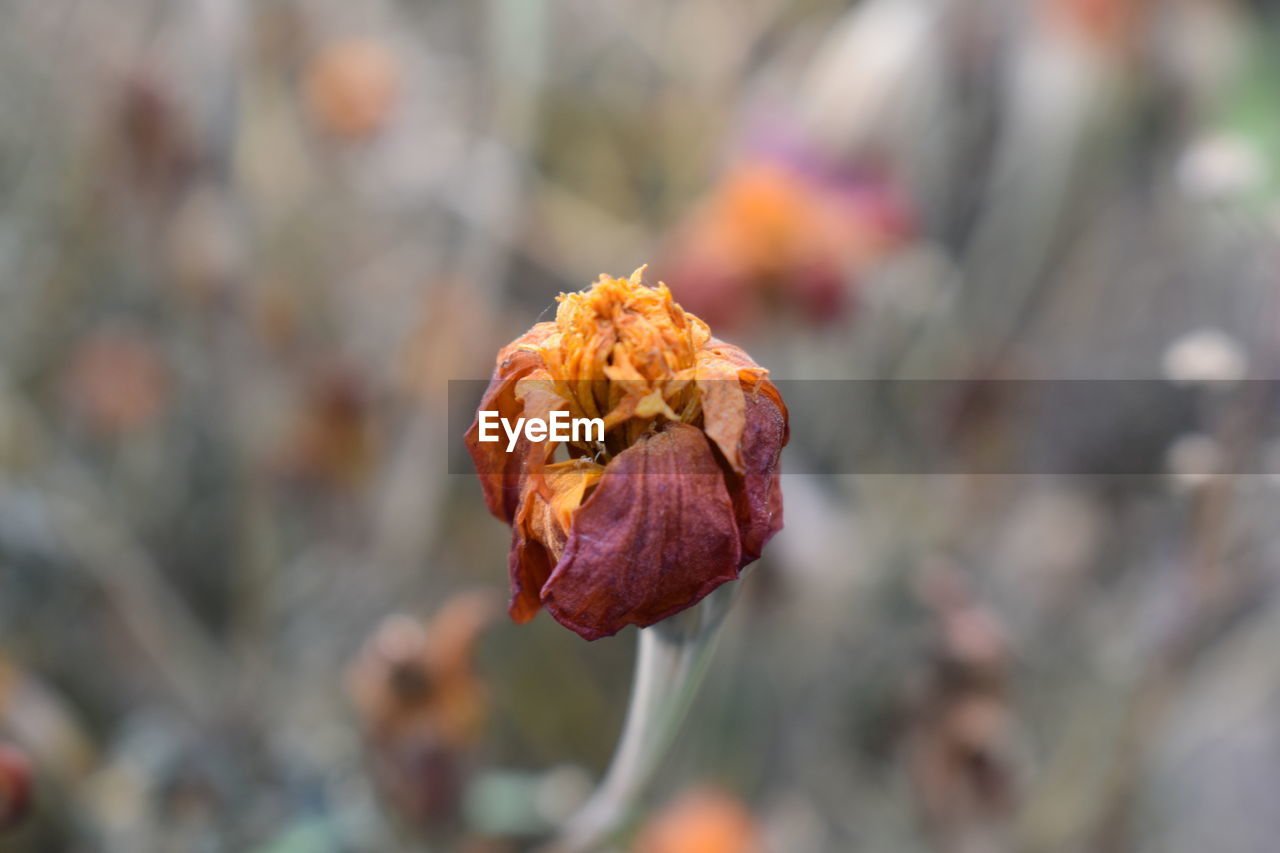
{"points": [[541, 529], [757, 492], [567, 485], [723, 404], [753, 377], [657, 535]]}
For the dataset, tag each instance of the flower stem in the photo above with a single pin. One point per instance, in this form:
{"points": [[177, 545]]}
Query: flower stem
{"points": [[671, 659]]}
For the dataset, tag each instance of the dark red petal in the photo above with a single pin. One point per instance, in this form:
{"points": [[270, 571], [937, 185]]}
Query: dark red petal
{"points": [[529, 564], [656, 536], [757, 492], [501, 472]]}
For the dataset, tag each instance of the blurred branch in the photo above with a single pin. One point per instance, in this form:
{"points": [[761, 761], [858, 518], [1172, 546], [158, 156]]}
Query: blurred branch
{"points": [[186, 658]]}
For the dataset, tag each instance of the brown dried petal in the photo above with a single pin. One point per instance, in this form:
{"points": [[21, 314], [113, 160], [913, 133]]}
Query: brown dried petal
{"points": [[752, 376], [723, 405], [657, 535], [500, 472], [540, 531], [529, 564]]}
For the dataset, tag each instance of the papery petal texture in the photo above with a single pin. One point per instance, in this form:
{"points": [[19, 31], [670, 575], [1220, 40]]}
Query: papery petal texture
{"points": [[680, 493], [757, 498], [658, 535], [500, 472]]}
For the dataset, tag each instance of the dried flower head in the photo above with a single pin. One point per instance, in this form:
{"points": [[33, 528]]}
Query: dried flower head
{"points": [[775, 236], [681, 493], [412, 675], [422, 706]]}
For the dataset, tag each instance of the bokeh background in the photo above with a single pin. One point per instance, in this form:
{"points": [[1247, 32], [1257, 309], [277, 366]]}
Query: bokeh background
{"points": [[246, 603]]}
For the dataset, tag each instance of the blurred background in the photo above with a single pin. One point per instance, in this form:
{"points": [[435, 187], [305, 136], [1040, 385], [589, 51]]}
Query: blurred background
{"points": [[247, 603]]}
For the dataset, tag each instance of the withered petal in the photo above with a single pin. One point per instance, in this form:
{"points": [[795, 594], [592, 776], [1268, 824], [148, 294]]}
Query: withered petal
{"points": [[757, 492], [501, 472], [723, 404], [566, 484], [538, 398], [752, 376], [541, 529], [733, 354], [656, 536], [529, 563]]}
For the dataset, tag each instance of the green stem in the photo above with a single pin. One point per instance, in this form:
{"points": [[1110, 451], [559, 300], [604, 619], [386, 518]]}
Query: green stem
{"points": [[671, 659]]}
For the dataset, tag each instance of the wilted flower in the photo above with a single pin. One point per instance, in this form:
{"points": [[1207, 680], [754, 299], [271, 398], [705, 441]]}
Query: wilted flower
{"points": [[682, 492], [773, 234], [422, 705]]}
